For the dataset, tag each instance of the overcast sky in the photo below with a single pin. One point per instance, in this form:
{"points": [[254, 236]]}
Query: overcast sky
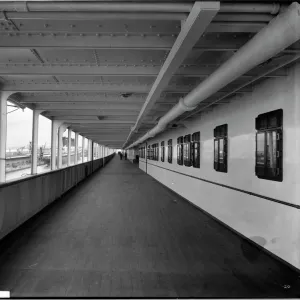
{"points": [[19, 128]]}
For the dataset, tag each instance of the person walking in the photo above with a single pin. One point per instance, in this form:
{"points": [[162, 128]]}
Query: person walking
{"points": [[125, 155], [121, 155]]}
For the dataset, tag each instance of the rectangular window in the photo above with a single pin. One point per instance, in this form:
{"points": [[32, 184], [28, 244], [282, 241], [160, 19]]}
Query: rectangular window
{"points": [[196, 149], [155, 152], [180, 150], [187, 149], [220, 148], [269, 145], [170, 151], [142, 152], [162, 151], [149, 152]]}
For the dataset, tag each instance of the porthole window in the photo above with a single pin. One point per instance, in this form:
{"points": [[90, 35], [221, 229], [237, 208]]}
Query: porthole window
{"points": [[196, 149], [269, 145], [170, 151], [220, 148], [187, 149], [162, 151], [180, 150]]}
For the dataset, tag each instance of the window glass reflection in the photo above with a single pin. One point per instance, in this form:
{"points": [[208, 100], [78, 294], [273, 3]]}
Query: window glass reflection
{"points": [[221, 151], [216, 151], [271, 151], [260, 150]]}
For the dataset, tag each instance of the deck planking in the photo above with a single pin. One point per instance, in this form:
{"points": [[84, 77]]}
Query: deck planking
{"points": [[121, 234]]}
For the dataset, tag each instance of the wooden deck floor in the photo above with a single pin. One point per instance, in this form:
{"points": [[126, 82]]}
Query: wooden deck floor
{"points": [[122, 234]]}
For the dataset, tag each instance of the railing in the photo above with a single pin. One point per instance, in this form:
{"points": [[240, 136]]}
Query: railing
{"points": [[22, 199]]}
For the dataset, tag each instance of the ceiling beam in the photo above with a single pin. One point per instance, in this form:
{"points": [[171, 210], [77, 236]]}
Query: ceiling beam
{"points": [[82, 98], [78, 69], [42, 40], [95, 122], [39, 40], [84, 106], [94, 16], [87, 87], [107, 70]]}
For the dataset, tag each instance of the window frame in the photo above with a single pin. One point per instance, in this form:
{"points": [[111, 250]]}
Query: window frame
{"points": [[149, 152], [170, 150], [155, 152], [180, 150], [263, 125], [162, 151], [187, 143], [196, 141], [221, 134]]}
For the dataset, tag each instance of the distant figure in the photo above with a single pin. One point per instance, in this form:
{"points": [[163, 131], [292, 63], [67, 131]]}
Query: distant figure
{"points": [[125, 155], [121, 155]]}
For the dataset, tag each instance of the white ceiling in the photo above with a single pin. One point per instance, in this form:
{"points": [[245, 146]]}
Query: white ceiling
{"points": [[77, 66]]}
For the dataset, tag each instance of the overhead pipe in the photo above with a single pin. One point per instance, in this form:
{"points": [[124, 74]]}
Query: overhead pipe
{"points": [[93, 6], [291, 60], [281, 32], [95, 16]]}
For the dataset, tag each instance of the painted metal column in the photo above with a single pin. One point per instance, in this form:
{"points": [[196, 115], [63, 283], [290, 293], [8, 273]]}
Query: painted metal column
{"points": [[92, 150], [61, 130], [69, 147], [82, 154], [76, 149], [103, 151], [3, 133], [55, 126], [35, 134], [89, 150]]}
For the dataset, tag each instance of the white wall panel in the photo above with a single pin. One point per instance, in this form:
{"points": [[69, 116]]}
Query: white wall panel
{"points": [[278, 224]]}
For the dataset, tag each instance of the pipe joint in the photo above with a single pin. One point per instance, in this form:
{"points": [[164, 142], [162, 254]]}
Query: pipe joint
{"points": [[184, 107], [275, 10]]}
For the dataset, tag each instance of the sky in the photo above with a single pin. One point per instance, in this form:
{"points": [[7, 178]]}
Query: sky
{"points": [[19, 128]]}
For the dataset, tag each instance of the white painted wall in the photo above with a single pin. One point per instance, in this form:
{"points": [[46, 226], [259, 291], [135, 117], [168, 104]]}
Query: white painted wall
{"points": [[252, 216], [131, 153]]}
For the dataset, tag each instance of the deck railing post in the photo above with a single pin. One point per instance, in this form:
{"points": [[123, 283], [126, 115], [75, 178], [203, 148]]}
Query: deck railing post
{"points": [[82, 154], [89, 150], [61, 130], [54, 129], [103, 151], [76, 148], [35, 139], [3, 132], [69, 147]]}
